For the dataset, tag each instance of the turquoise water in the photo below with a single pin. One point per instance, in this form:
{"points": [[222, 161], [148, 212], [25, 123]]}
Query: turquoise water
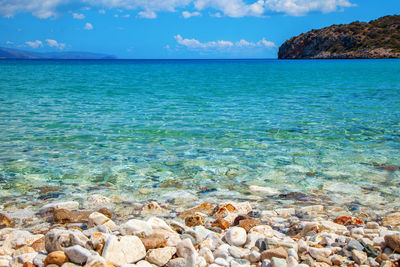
{"points": [[208, 126]]}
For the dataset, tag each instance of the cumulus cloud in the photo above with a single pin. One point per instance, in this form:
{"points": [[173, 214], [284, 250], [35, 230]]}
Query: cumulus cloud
{"points": [[302, 7], [232, 8], [88, 26], [9, 43], [38, 8], [150, 8], [78, 16], [34, 44], [195, 44], [54, 43], [187, 14]]}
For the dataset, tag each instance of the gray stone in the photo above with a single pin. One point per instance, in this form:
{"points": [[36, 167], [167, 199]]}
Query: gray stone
{"points": [[266, 263], [261, 244], [77, 254], [177, 262], [354, 244]]}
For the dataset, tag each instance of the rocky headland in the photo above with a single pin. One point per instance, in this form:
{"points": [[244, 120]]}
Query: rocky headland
{"points": [[358, 40], [107, 232]]}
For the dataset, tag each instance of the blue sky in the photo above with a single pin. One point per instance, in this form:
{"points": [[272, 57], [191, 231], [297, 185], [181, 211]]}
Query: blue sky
{"points": [[174, 28]]}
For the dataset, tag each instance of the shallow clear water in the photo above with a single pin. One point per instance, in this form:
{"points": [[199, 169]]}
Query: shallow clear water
{"points": [[120, 126]]}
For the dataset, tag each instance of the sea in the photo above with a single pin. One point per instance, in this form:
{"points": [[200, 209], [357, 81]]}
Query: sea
{"points": [[200, 129]]}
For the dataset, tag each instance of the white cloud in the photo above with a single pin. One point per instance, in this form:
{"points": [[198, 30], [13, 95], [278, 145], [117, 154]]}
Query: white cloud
{"points": [[9, 43], [38, 8], [195, 44], [54, 43], [34, 44], [147, 14], [150, 8], [88, 26], [187, 14], [78, 16], [126, 16], [232, 8], [302, 7]]}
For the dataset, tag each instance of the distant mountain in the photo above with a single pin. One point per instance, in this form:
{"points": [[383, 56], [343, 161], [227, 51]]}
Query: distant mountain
{"points": [[377, 39], [7, 53]]}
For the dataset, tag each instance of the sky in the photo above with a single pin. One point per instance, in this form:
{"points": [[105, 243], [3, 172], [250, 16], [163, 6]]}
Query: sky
{"points": [[138, 29]]}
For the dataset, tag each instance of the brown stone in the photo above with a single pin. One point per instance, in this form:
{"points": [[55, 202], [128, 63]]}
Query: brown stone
{"points": [[154, 241], [221, 223], [49, 189], [67, 216], [28, 264], [194, 220], [39, 245], [222, 211], [240, 218], [338, 260], [206, 208], [5, 222], [279, 252], [248, 224], [393, 241], [388, 168], [106, 212], [56, 257], [392, 219], [381, 258]]}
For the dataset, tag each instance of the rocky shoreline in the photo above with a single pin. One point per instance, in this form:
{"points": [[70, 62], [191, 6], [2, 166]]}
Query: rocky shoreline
{"points": [[98, 233], [377, 39]]}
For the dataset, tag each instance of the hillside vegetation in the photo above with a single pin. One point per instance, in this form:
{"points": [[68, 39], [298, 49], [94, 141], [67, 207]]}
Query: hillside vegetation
{"points": [[377, 39]]}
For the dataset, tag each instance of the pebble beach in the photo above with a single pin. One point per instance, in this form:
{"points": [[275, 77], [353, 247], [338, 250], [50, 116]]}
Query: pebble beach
{"points": [[105, 231]]}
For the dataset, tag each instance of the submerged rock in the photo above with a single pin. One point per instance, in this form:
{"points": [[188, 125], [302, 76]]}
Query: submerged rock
{"points": [[67, 205], [67, 216], [392, 219]]}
